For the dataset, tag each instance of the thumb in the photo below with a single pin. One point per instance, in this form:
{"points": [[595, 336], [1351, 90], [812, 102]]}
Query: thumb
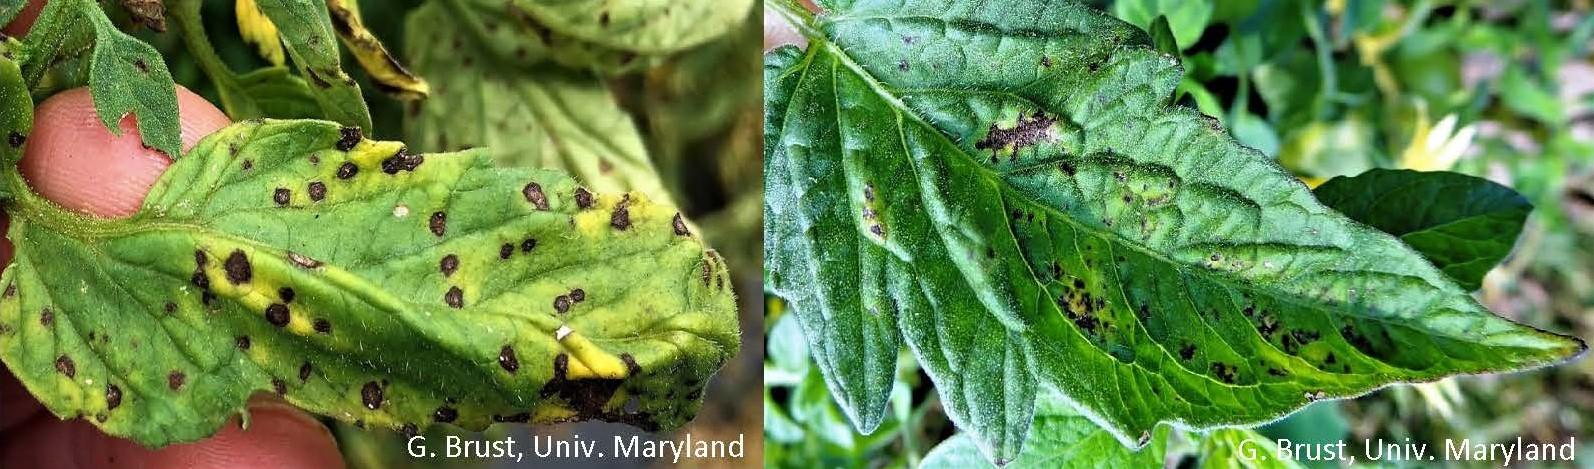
{"points": [[73, 160]]}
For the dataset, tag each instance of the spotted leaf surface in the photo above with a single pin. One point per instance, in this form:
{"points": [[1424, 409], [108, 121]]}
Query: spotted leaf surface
{"points": [[545, 117], [638, 26], [1463, 224], [1007, 183], [365, 283], [1060, 438], [305, 29]]}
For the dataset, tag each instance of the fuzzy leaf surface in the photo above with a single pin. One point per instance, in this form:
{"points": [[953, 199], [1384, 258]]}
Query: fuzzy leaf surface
{"points": [[363, 283], [544, 117], [305, 27], [1007, 181], [1059, 438], [1463, 224]]}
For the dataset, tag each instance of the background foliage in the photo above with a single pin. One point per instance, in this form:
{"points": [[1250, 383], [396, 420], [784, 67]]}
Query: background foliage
{"points": [[1502, 90]]}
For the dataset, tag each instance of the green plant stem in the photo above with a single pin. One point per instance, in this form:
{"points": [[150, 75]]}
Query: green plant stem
{"points": [[186, 14]]}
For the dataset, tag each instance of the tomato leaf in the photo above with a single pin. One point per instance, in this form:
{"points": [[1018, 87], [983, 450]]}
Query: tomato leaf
{"points": [[126, 76], [1051, 215], [1239, 447], [306, 31], [1463, 224], [361, 282], [544, 117], [1060, 438]]}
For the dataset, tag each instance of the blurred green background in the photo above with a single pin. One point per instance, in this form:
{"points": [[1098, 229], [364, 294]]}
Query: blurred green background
{"points": [[1499, 89], [699, 115]]}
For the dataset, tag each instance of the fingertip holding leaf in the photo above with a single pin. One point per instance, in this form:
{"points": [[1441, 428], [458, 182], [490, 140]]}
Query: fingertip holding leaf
{"points": [[158, 327], [1049, 220]]}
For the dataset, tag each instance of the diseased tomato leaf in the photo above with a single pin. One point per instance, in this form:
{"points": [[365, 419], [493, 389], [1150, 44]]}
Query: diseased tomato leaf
{"points": [[545, 117], [125, 75], [305, 28], [361, 282], [1008, 183], [1061, 438], [1463, 224]]}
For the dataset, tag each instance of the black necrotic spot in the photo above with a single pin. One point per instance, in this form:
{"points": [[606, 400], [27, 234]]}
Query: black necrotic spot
{"points": [[371, 395], [445, 414], [522, 417], [304, 371], [347, 170], [528, 244], [64, 365], [621, 218], [200, 259], [409, 430], [402, 160], [286, 294], [318, 191], [348, 137], [175, 380], [680, 225], [583, 198], [455, 298], [277, 314], [47, 317], [113, 396], [279, 387], [438, 223], [16, 139], [238, 269], [242, 342], [561, 304], [506, 359], [171, 307], [323, 326], [281, 196], [506, 250], [534, 195], [578, 295], [448, 265]]}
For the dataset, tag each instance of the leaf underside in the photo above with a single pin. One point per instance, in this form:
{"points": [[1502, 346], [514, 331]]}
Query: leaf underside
{"points": [[1060, 438], [545, 117], [1463, 224], [1006, 188], [364, 283]]}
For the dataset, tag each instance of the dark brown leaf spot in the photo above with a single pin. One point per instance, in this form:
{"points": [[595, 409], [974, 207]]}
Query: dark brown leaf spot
{"points": [[279, 387], [561, 304], [348, 137], [402, 160], [304, 371], [277, 314], [445, 414], [113, 397], [238, 268], [347, 170], [16, 139], [1027, 132], [323, 326], [287, 294], [171, 307], [303, 260], [680, 225], [506, 359], [47, 317], [506, 250], [318, 191], [578, 295], [438, 223], [371, 395], [64, 366], [621, 218], [175, 380], [242, 342], [583, 198], [448, 265], [281, 196], [528, 244], [455, 298], [534, 195]]}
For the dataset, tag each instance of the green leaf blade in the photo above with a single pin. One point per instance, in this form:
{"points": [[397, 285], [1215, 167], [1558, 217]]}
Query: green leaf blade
{"points": [[366, 284], [1154, 269], [306, 30], [1060, 438], [1463, 224]]}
